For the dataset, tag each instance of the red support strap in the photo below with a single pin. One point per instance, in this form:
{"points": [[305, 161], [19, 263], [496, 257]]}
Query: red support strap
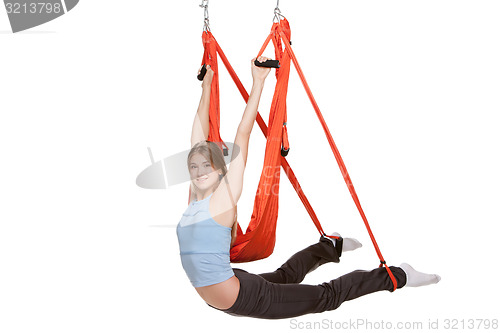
{"points": [[285, 144], [336, 153], [284, 163]]}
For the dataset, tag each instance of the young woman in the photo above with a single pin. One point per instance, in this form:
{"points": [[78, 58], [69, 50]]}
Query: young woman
{"points": [[208, 225]]}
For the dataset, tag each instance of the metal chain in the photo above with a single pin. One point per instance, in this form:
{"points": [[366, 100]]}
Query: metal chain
{"points": [[206, 21]]}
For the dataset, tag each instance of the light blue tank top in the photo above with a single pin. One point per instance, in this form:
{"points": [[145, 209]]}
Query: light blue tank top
{"points": [[204, 245]]}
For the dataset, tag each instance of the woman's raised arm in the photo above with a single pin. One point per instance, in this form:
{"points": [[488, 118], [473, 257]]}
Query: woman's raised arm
{"points": [[237, 167], [200, 123]]}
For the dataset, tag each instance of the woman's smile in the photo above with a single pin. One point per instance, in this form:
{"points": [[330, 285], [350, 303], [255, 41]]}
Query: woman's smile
{"points": [[202, 179]]}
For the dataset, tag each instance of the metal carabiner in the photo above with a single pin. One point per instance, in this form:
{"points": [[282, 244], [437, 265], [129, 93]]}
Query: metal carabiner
{"points": [[204, 3], [206, 21], [277, 13]]}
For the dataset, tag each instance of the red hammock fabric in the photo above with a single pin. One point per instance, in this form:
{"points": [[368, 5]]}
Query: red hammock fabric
{"points": [[210, 58], [259, 239]]}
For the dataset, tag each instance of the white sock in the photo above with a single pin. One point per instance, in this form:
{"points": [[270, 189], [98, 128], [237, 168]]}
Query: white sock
{"points": [[418, 279], [350, 244]]}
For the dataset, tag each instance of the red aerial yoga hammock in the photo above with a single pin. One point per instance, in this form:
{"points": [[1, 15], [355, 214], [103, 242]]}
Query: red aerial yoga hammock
{"points": [[259, 239]]}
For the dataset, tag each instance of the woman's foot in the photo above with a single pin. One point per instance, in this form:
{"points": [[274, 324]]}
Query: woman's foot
{"points": [[349, 244], [418, 279]]}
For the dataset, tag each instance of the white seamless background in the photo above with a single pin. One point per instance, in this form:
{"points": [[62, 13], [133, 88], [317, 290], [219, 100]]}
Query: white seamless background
{"points": [[409, 90]]}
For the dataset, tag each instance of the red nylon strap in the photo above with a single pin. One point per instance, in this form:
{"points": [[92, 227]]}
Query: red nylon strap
{"points": [[285, 144], [336, 153], [284, 163]]}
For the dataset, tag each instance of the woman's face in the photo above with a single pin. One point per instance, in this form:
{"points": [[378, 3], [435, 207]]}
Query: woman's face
{"points": [[202, 173]]}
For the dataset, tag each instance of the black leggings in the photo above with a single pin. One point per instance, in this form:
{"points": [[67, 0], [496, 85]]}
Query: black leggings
{"points": [[279, 295]]}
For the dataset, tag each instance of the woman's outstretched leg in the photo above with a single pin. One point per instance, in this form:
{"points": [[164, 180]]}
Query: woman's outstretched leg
{"points": [[303, 262], [295, 269], [262, 299]]}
